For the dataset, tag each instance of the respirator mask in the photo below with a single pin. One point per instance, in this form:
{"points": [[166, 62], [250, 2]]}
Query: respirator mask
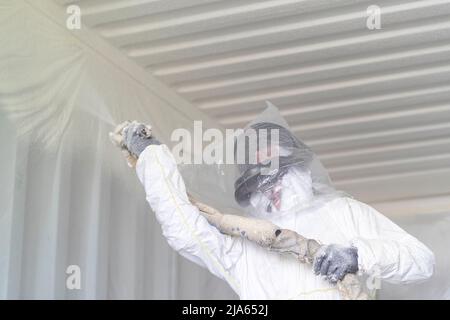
{"points": [[270, 151]]}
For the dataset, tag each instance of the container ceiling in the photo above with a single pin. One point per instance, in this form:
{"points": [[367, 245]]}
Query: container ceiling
{"points": [[374, 104]]}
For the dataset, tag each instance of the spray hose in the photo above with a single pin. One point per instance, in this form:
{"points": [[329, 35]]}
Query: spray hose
{"points": [[269, 236]]}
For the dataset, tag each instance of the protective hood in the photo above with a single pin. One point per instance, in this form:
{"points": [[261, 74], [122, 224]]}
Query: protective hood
{"points": [[278, 171]]}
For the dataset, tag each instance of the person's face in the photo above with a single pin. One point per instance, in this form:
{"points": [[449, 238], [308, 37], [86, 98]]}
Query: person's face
{"points": [[292, 190]]}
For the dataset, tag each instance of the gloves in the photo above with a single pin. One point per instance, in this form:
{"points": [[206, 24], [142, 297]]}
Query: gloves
{"points": [[137, 137], [335, 261]]}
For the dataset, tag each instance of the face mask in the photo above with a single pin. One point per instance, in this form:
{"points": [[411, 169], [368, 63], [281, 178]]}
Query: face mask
{"points": [[294, 190], [263, 162]]}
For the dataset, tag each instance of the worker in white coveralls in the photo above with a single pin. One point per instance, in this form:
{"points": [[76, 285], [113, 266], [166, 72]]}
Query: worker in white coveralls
{"points": [[297, 196]]}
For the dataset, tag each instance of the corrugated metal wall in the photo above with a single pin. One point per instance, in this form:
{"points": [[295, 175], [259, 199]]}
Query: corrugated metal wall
{"points": [[374, 103]]}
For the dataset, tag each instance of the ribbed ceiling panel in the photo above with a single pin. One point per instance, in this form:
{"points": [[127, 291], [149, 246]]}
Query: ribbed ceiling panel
{"points": [[374, 104]]}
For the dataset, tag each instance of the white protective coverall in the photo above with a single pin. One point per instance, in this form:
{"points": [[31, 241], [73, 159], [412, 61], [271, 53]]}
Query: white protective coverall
{"points": [[384, 249]]}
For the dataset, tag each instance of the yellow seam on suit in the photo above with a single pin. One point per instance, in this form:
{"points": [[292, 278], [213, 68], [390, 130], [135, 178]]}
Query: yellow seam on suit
{"points": [[313, 291], [186, 224]]}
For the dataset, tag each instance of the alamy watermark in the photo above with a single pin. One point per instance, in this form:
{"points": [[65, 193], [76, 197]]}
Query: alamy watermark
{"points": [[373, 21], [73, 21], [73, 280], [235, 146]]}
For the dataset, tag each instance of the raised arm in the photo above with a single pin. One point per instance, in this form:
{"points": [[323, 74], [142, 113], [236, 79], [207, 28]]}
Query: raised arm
{"points": [[184, 228]]}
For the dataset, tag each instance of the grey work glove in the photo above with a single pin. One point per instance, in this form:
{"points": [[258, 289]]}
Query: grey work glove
{"points": [[137, 137], [335, 261]]}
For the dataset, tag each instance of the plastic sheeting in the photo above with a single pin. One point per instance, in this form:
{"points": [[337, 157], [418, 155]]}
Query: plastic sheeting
{"points": [[66, 195]]}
